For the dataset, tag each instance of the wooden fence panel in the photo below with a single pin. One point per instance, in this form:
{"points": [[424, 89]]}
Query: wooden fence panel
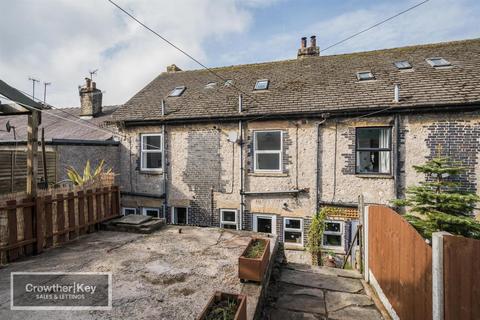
{"points": [[71, 216], [13, 253], [401, 262], [45, 221], [461, 278], [28, 225]]}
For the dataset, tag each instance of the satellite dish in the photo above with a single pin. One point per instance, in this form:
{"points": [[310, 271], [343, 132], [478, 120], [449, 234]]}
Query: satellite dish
{"points": [[232, 136], [8, 126]]}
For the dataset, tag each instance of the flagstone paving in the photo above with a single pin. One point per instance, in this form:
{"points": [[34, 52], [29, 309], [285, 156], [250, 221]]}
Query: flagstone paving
{"points": [[301, 291]]}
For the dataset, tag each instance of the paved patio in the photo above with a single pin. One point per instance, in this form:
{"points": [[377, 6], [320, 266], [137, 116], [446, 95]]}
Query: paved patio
{"points": [[301, 291], [164, 275]]}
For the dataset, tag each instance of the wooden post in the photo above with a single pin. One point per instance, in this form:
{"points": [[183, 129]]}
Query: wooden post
{"points": [[44, 160], [32, 148]]}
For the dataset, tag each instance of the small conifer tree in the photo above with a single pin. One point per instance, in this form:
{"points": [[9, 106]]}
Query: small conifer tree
{"points": [[438, 204]]}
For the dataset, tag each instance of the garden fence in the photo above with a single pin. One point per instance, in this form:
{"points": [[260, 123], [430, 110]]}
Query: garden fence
{"points": [[416, 280], [30, 225]]}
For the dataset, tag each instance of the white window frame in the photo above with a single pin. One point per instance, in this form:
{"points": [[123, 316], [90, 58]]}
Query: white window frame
{"points": [[431, 63], [145, 151], [256, 88], [292, 230], [265, 216], [232, 223], [340, 233], [128, 208], [255, 152], [144, 211], [359, 78], [172, 215]]}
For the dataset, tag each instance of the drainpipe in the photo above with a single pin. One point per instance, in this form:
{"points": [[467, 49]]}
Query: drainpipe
{"points": [[318, 169], [242, 180], [396, 159], [165, 175]]}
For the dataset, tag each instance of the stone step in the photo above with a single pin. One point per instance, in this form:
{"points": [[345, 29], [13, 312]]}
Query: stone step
{"points": [[325, 270], [321, 281]]}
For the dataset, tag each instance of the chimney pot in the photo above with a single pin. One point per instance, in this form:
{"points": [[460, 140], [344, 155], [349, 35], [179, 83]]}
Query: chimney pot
{"points": [[313, 41], [303, 43], [94, 85], [88, 82]]}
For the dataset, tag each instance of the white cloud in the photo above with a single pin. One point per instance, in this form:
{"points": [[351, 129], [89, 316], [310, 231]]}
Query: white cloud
{"points": [[61, 40]]}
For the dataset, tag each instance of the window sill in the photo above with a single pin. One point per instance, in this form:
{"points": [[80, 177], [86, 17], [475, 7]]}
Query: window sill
{"points": [[268, 174], [151, 172], [374, 176]]}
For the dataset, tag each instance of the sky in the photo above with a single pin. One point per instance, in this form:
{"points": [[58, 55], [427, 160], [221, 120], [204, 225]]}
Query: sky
{"points": [[60, 41]]}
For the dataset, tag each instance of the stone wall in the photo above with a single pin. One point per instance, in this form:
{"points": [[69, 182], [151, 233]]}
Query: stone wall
{"points": [[203, 166]]}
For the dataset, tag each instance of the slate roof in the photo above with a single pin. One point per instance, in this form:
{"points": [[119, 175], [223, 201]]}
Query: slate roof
{"points": [[58, 128], [317, 84]]}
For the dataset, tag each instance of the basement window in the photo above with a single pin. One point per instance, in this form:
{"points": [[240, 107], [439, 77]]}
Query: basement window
{"points": [[365, 75], [128, 211], [373, 150], [402, 65], [177, 92], [438, 62], [293, 231], [152, 212], [333, 234], [228, 219], [151, 152], [261, 84], [268, 151]]}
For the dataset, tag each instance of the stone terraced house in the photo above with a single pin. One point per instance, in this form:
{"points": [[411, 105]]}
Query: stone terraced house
{"points": [[263, 146]]}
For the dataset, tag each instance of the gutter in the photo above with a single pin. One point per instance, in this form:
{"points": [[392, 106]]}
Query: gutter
{"points": [[340, 113], [141, 194], [294, 192], [66, 142]]}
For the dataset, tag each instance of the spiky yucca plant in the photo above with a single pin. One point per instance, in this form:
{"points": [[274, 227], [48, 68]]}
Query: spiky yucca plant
{"points": [[79, 180]]}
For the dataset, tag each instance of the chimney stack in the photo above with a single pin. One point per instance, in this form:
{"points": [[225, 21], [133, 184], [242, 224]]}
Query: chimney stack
{"points": [[90, 100], [311, 51], [173, 68]]}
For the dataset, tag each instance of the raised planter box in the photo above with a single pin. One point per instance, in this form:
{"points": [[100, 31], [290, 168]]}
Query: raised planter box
{"points": [[240, 314], [253, 269]]}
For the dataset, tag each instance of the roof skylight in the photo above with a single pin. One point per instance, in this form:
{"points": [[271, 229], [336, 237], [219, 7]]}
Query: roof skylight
{"points": [[261, 84], [229, 82], [438, 62], [365, 75], [177, 91], [404, 64], [210, 85]]}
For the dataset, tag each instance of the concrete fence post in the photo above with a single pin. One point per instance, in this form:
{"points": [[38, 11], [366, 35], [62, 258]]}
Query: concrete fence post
{"points": [[437, 275], [366, 269]]}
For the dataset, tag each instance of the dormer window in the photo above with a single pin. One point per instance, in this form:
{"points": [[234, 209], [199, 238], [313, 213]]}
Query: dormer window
{"points": [[402, 65], [177, 92], [365, 75], [438, 62], [261, 84]]}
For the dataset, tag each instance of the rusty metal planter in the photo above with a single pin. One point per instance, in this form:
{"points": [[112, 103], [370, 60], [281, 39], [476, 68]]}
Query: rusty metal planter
{"points": [[241, 299], [254, 268]]}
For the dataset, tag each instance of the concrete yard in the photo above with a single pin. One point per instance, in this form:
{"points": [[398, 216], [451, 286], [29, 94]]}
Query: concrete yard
{"points": [[164, 275]]}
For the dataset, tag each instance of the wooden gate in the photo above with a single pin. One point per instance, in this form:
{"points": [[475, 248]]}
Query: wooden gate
{"points": [[401, 263]]}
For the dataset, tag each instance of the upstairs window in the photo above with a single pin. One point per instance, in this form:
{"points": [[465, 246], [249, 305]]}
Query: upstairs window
{"points": [[373, 150], [177, 92], [438, 62], [261, 84], [402, 65], [268, 150], [365, 75], [151, 152]]}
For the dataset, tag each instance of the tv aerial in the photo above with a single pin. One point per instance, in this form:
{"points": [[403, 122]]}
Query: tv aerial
{"points": [[92, 72]]}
